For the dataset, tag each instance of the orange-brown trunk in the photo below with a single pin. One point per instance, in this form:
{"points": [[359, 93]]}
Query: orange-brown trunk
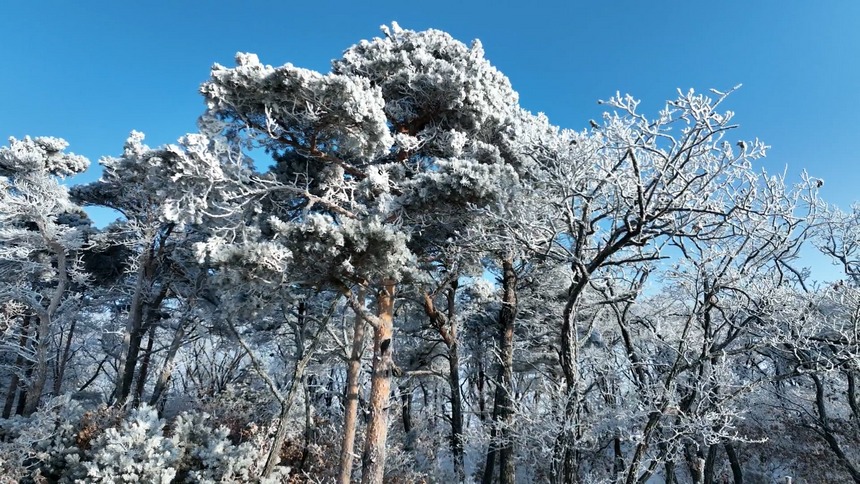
{"points": [[373, 460]]}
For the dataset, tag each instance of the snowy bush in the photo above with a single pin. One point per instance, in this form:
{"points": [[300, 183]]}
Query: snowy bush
{"points": [[198, 451], [206, 455], [137, 451], [44, 445]]}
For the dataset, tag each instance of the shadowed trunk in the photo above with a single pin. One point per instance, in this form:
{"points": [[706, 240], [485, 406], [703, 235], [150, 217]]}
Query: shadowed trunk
{"points": [[167, 369], [133, 333], [15, 381], [735, 463], [456, 412], [136, 329], [708, 473], [63, 359], [43, 333], [144, 368], [303, 357], [503, 407], [406, 412], [22, 394], [446, 325]]}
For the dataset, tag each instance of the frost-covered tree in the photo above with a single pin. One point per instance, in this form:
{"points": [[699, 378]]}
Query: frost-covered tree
{"points": [[389, 151], [629, 184], [159, 192], [40, 234], [619, 304]]}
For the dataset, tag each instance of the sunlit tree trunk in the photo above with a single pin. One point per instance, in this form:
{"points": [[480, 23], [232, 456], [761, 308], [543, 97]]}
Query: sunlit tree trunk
{"points": [[373, 459], [350, 408]]}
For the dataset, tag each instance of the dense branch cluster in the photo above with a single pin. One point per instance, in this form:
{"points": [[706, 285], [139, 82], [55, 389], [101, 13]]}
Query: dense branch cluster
{"points": [[425, 283]]}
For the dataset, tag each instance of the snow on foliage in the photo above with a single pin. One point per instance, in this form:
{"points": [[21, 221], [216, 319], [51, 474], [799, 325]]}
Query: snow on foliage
{"points": [[40, 155], [535, 304]]}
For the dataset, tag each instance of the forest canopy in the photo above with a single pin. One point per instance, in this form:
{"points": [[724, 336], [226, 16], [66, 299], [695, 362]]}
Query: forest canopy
{"points": [[422, 282]]}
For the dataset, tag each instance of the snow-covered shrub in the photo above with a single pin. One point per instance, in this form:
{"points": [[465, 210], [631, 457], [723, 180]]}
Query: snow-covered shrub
{"points": [[43, 445], [239, 407], [198, 449], [206, 455], [137, 451]]}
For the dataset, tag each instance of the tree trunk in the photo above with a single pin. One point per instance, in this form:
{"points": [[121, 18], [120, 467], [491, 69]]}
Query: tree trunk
{"points": [[309, 429], [303, 357], [281, 433], [43, 332], [19, 363], [710, 460], [137, 328], [133, 333], [492, 450], [22, 394], [144, 368], [670, 472], [446, 325], [503, 407], [569, 366], [63, 359], [40, 368], [373, 459], [735, 463], [10, 395], [167, 369], [481, 383], [456, 412], [406, 412], [350, 408]]}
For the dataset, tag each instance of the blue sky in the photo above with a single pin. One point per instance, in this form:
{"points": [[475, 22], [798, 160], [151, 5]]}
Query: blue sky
{"points": [[91, 71]]}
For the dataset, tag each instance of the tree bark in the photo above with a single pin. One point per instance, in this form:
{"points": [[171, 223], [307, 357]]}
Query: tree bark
{"points": [[40, 368], [63, 359], [309, 429], [456, 412], [144, 368], [137, 328], [350, 408], [710, 460], [133, 333], [373, 459], [569, 367], [167, 369], [43, 335], [10, 394], [303, 357], [446, 325], [22, 394], [492, 450], [735, 463], [19, 363], [670, 477], [406, 412], [503, 406]]}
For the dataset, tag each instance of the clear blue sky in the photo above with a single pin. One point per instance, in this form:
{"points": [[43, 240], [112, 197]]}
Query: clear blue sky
{"points": [[91, 71]]}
